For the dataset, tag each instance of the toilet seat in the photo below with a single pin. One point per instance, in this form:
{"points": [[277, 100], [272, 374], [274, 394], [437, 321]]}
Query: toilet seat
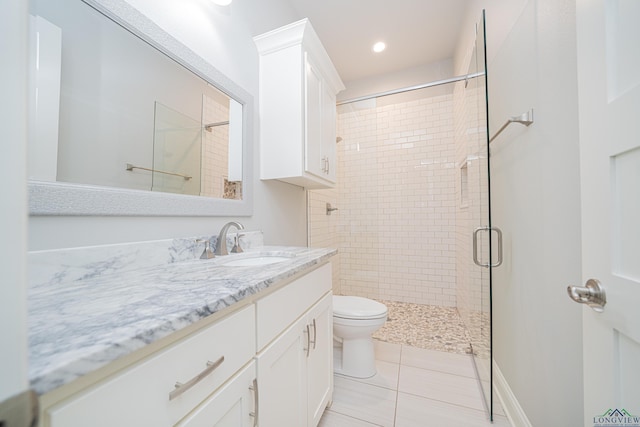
{"points": [[350, 307]]}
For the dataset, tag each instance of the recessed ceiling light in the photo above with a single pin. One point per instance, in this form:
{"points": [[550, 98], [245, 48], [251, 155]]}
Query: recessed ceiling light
{"points": [[379, 47]]}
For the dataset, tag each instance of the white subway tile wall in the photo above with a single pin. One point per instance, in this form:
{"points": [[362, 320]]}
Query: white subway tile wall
{"points": [[215, 148], [471, 160], [396, 194]]}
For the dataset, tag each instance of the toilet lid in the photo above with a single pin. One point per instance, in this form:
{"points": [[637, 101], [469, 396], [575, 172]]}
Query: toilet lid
{"points": [[348, 307]]}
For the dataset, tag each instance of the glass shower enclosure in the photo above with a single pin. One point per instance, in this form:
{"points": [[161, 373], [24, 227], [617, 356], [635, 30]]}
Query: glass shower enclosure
{"points": [[413, 225], [482, 250]]}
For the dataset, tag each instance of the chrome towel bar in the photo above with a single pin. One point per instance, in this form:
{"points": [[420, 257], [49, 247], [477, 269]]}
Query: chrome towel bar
{"points": [[131, 167], [209, 127], [524, 119]]}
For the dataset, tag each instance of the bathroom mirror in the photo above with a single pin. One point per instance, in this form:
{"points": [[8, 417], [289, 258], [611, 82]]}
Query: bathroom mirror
{"points": [[125, 120]]}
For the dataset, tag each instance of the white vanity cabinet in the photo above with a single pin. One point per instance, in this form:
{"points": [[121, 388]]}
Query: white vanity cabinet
{"points": [[298, 87], [267, 363], [142, 394], [295, 368]]}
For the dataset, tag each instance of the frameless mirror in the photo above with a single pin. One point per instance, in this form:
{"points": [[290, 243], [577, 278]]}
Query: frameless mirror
{"points": [[125, 120]]}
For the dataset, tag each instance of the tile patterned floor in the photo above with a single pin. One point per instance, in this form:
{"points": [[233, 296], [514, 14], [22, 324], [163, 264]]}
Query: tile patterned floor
{"points": [[414, 387], [424, 326], [425, 376]]}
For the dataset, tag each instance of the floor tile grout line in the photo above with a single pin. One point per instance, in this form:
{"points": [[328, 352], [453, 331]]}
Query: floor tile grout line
{"points": [[482, 411], [356, 380], [355, 418], [395, 407], [440, 372]]}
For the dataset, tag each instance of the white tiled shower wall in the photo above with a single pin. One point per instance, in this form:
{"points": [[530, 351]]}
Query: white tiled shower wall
{"points": [[395, 227], [472, 290], [215, 148]]}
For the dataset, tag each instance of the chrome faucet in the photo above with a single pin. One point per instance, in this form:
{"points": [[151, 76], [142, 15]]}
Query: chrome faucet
{"points": [[221, 244]]}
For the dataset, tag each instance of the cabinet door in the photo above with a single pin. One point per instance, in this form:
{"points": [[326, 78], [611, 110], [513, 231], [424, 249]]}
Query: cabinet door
{"points": [[329, 132], [320, 359], [282, 386], [233, 405], [315, 161]]}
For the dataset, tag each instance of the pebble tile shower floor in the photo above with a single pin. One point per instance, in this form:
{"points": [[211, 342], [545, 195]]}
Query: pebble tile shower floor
{"points": [[424, 326]]}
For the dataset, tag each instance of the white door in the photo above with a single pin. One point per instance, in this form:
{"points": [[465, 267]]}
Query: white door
{"points": [[609, 107]]}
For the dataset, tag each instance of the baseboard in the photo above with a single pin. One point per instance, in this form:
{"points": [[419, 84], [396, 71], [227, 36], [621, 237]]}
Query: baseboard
{"points": [[512, 409]]}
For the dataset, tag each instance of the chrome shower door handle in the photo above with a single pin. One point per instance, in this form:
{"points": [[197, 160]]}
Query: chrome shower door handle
{"points": [[591, 294], [475, 247], [499, 233]]}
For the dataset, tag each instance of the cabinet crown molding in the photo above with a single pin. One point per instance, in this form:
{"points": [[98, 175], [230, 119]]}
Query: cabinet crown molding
{"points": [[300, 33]]}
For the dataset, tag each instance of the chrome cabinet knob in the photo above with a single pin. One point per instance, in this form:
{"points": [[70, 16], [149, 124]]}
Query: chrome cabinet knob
{"points": [[591, 294]]}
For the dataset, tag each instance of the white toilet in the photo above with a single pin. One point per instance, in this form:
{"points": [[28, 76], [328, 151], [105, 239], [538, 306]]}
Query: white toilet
{"points": [[355, 319]]}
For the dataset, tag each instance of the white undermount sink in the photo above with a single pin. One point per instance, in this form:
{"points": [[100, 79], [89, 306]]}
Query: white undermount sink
{"points": [[256, 261]]}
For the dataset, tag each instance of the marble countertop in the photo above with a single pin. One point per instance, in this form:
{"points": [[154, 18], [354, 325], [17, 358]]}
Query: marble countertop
{"points": [[78, 326]]}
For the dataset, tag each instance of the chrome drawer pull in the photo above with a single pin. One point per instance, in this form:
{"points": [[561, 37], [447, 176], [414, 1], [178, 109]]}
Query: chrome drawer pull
{"points": [[308, 332], [315, 334], [181, 388], [256, 412]]}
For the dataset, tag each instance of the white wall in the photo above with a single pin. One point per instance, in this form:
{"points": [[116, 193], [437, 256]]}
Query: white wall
{"points": [[13, 215], [222, 36], [535, 201]]}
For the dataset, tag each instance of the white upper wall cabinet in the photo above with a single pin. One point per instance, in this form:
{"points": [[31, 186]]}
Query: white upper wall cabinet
{"points": [[298, 87]]}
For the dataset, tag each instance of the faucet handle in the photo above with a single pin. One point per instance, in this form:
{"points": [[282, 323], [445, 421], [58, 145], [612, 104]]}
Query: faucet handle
{"points": [[207, 253], [236, 245]]}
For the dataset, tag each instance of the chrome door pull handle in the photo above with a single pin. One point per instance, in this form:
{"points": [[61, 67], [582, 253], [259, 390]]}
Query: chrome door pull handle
{"points": [[499, 233], [591, 294], [256, 411], [475, 246], [308, 333], [181, 388], [315, 334]]}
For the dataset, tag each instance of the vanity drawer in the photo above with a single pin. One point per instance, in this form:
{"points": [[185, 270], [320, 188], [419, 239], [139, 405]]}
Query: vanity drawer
{"points": [[140, 395], [280, 309]]}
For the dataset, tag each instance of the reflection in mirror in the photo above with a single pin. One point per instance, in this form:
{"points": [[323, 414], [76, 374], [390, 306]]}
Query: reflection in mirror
{"points": [[203, 160], [176, 152], [111, 110]]}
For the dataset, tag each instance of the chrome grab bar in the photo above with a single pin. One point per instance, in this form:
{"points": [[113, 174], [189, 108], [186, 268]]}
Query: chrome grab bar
{"points": [[475, 247], [131, 167], [182, 387]]}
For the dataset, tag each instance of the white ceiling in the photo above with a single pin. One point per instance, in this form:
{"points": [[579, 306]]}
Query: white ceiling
{"points": [[417, 32]]}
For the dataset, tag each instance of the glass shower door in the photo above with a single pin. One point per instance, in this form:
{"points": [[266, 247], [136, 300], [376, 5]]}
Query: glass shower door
{"points": [[482, 236]]}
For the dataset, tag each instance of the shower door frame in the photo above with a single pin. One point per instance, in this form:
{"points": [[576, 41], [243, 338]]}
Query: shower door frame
{"points": [[483, 357]]}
